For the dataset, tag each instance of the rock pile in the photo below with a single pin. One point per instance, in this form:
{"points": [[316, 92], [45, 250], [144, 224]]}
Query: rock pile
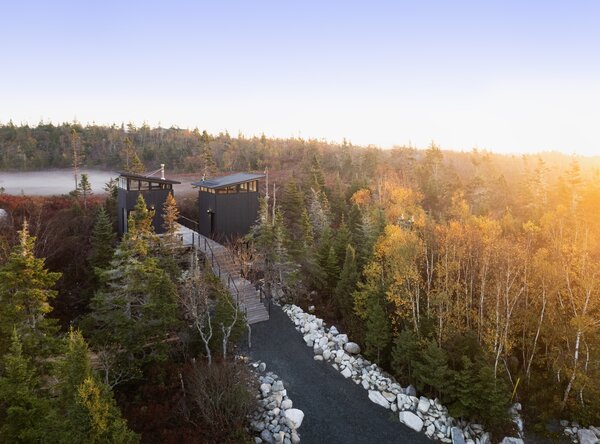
{"points": [[275, 421], [420, 414], [578, 434]]}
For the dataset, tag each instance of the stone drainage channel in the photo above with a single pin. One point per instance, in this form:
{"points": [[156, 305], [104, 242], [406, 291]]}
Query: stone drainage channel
{"points": [[420, 414]]}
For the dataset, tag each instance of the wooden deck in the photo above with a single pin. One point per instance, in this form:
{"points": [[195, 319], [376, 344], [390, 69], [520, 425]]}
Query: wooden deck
{"points": [[224, 266]]}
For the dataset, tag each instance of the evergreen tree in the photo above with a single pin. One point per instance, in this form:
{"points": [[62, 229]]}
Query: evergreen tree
{"points": [[110, 204], [404, 353], [270, 242], [378, 333], [103, 238], [208, 161], [25, 295], [307, 232], [292, 205], [133, 164], [347, 284], [85, 188], [170, 216], [103, 415], [170, 244], [136, 308], [23, 412], [319, 213], [317, 178], [342, 240], [359, 236], [88, 410], [431, 370], [328, 263]]}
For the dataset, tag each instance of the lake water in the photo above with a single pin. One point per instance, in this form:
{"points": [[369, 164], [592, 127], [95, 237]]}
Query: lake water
{"points": [[51, 182]]}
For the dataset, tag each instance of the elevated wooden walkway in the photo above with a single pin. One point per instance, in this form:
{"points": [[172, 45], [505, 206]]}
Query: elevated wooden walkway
{"points": [[223, 265]]}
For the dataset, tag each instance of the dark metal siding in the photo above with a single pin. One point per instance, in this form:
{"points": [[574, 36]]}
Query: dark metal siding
{"points": [[154, 199], [206, 203], [234, 214]]}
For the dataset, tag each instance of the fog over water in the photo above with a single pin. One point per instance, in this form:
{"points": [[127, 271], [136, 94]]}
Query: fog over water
{"points": [[51, 182]]}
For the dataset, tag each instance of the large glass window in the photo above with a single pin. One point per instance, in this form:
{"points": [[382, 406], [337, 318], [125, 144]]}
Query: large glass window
{"points": [[253, 185], [243, 187]]}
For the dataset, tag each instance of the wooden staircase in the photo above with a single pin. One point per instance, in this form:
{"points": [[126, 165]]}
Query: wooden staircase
{"points": [[223, 265]]}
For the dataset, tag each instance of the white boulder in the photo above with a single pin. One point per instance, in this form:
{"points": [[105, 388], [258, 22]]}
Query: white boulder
{"points": [[457, 436], [411, 420], [296, 416], [509, 440], [352, 348], [286, 404], [423, 405], [378, 398], [346, 373], [586, 436], [341, 339]]}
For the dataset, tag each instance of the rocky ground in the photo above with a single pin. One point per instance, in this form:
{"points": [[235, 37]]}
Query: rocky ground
{"points": [[275, 421], [581, 435], [336, 411]]}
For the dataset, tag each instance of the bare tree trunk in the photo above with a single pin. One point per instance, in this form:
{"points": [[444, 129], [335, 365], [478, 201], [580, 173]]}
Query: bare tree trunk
{"points": [[206, 339], [227, 330], [537, 333], [574, 373]]}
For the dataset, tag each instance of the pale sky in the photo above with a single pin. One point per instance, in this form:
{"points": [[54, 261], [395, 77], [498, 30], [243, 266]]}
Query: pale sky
{"points": [[502, 76]]}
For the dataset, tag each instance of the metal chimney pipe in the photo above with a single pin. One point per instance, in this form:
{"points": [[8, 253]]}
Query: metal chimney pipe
{"points": [[162, 171]]}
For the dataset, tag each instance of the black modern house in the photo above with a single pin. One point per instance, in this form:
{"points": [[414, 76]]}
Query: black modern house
{"points": [[155, 191], [228, 205]]}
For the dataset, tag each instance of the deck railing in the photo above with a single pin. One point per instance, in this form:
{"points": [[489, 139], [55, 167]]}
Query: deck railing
{"points": [[214, 261]]}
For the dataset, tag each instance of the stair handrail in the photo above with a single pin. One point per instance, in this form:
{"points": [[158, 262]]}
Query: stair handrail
{"points": [[214, 262]]}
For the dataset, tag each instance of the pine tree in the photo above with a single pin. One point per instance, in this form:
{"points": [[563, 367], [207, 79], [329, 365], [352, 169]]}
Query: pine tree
{"points": [[103, 238], [378, 332], [431, 370], [317, 178], [170, 243], [404, 353], [207, 156], [342, 240], [105, 422], [328, 263], [23, 412], [76, 157], [136, 308], [292, 205], [318, 213], [359, 236], [347, 284], [170, 216], [85, 188], [25, 295], [133, 164], [89, 413]]}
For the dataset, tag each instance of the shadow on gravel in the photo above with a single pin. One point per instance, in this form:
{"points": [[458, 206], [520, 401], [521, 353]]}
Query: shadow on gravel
{"points": [[337, 411]]}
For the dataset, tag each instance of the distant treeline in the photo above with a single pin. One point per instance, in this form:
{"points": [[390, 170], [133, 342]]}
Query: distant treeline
{"points": [[46, 145]]}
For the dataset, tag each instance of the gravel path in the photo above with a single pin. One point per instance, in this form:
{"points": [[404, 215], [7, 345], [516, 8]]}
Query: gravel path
{"points": [[337, 411]]}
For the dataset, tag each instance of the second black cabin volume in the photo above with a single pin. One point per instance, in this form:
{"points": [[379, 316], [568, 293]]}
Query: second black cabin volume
{"points": [[228, 205]]}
